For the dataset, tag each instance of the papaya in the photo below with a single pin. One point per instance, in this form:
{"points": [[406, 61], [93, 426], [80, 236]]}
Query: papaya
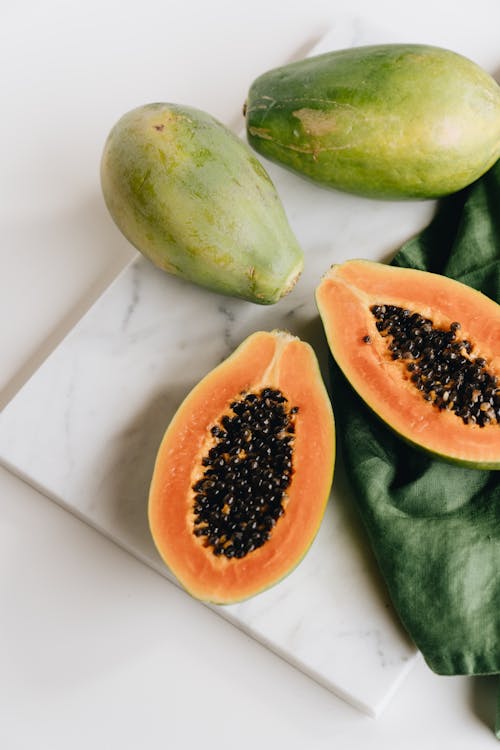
{"points": [[423, 352], [243, 472], [388, 121], [193, 198]]}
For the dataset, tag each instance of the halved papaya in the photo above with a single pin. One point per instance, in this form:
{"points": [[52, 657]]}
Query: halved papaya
{"points": [[244, 470], [423, 351]]}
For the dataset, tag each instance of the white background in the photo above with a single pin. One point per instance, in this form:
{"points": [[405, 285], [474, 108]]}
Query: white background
{"points": [[96, 650]]}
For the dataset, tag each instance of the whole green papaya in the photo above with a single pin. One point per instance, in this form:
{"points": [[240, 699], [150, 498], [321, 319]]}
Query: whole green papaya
{"points": [[193, 198], [387, 121]]}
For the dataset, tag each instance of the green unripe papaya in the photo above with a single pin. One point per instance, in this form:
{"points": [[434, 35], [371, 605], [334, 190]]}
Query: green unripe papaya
{"points": [[193, 198], [387, 121]]}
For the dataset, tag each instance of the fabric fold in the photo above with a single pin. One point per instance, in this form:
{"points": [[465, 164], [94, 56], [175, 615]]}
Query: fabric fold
{"points": [[434, 526]]}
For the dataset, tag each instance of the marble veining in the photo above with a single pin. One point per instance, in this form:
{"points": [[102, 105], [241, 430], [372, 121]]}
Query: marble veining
{"points": [[85, 429]]}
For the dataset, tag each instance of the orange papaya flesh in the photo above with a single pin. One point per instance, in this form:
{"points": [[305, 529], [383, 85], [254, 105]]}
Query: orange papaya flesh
{"points": [[227, 516], [443, 396]]}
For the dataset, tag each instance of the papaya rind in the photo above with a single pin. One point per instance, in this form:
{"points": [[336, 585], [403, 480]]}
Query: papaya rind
{"points": [[338, 298], [194, 199], [394, 121], [275, 355]]}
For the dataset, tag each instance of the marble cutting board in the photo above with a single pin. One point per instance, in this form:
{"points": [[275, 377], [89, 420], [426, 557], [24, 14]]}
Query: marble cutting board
{"points": [[85, 428]]}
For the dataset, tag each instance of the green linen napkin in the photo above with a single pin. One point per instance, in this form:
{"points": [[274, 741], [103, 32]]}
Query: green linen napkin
{"points": [[435, 527]]}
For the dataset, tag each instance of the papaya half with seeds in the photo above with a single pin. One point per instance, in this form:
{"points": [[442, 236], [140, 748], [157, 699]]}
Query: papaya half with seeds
{"points": [[195, 200], [244, 470], [423, 352], [386, 121]]}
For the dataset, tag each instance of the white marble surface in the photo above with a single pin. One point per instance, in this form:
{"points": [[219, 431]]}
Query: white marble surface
{"points": [[95, 650], [97, 408]]}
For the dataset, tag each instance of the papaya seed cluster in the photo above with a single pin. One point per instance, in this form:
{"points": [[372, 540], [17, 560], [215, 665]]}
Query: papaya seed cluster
{"points": [[443, 366], [242, 492]]}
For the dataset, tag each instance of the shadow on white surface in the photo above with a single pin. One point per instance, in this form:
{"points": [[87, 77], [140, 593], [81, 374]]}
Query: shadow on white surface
{"points": [[483, 697]]}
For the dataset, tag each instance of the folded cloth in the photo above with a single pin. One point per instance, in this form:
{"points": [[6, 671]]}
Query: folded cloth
{"points": [[434, 526]]}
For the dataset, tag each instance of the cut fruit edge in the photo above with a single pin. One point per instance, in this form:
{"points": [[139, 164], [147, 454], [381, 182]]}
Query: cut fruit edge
{"points": [[344, 297], [278, 360]]}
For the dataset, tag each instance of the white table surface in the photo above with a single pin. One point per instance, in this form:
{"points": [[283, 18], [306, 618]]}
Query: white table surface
{"points": [[97, 650]]}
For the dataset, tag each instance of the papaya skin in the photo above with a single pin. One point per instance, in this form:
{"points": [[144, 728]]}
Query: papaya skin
{"points": [[265, 359], [344, 297], [194, 199], [386, 121]]}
